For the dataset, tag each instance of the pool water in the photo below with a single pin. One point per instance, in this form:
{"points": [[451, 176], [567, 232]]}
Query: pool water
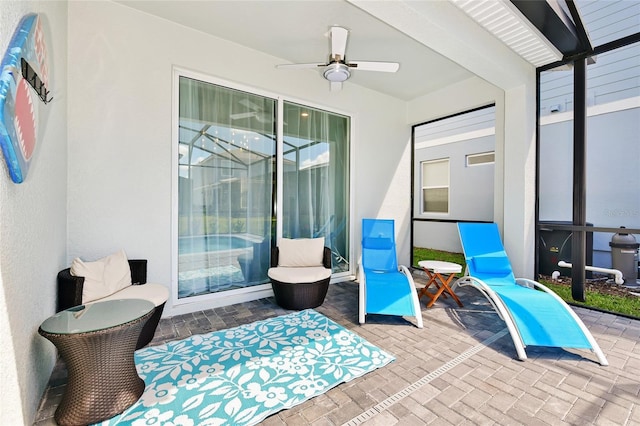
{"points": [[209, 243]]}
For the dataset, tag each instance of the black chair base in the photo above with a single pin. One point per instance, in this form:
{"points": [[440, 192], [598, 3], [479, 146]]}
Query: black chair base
{"points": [[149, 329], [299, 296]]}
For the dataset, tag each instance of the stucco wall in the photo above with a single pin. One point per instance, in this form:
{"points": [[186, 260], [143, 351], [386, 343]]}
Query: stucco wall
{"points": [[611, 170], [120, 134], [33, 231], [470, 195]]}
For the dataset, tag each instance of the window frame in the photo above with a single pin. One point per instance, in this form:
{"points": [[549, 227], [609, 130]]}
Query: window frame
{"points": [[424, 187], [480, 154]]}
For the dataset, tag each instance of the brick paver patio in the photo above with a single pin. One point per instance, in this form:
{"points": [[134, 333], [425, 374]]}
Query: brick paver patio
{"points": [[460, 369]]}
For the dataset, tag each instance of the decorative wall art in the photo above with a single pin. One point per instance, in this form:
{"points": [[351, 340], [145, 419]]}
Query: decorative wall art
{"points": [[24, 74]]}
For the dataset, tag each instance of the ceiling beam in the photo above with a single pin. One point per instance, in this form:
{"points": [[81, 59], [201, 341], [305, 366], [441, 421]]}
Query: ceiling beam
{"points": [[562, 29]]}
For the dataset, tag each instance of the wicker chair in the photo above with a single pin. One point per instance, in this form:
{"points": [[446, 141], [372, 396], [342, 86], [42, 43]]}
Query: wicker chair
{"points": [[70, 294], [302, 287]]}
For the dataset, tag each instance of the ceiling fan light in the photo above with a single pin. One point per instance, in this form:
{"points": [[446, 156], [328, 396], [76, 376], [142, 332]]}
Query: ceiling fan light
{"points": [[337, 72]]}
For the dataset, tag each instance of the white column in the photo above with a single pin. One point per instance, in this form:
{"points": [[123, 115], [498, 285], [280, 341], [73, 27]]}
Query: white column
{"points": [[518, 221]]}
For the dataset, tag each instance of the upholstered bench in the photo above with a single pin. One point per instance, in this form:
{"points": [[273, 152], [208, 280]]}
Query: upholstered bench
{"points": [[112, 277], [300, 272]]}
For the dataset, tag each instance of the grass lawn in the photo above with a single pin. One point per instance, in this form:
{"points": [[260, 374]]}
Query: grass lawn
{"points": [[420, 253], [626, 305]]}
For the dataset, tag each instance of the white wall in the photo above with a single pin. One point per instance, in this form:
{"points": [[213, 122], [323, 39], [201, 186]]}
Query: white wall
{"points": [[120, 157], [33, 231]]}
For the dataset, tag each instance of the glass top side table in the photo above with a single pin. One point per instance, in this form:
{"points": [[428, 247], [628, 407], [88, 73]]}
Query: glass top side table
{"points": [[96, 316], [97, 342]]}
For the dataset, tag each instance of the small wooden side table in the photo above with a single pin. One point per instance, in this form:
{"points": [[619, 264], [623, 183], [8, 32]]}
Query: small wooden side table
{"points": [[434, 270]]}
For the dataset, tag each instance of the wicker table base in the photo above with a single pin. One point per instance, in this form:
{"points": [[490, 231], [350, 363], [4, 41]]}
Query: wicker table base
{"points": [[102, 377]]}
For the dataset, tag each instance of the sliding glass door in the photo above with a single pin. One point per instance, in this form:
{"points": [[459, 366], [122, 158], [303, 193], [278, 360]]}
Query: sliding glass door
{"points": [[316, 179], [227, 152], [227, 148]]}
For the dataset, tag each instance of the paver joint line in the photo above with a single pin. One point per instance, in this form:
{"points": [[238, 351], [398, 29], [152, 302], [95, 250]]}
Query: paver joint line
{"points": [[384, 405]]}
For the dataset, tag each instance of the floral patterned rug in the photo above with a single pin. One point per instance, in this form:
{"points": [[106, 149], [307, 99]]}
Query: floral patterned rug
{"points": [[242, 375]]}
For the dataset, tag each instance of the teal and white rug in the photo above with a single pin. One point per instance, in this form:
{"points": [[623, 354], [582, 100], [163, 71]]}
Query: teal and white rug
{"points": [[242, 375]]}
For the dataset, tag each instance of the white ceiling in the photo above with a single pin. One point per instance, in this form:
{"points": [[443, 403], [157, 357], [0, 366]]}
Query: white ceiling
{"points": [[296, 31]]}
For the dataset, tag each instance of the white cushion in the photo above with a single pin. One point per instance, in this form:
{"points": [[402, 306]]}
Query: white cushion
{"points": [[102, 277], [300, 252], [155, 293], [299, 275]]}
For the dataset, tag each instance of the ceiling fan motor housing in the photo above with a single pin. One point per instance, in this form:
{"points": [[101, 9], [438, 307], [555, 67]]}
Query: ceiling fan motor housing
{"points": [[337, 72], [338, 69]]}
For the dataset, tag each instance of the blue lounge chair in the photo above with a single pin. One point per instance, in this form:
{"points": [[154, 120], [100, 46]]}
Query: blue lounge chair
{"points": [[385, 287], [534, 315]]}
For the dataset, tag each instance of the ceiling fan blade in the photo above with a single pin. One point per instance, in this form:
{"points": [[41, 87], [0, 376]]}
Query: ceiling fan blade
{"points": [[374, 66], [240, 115], [314, 65], [336, 86], [338, 41], [251, 105]]}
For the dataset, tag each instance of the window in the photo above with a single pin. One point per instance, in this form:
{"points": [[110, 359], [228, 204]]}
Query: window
{"points": [[478, 159], [435, 186]]}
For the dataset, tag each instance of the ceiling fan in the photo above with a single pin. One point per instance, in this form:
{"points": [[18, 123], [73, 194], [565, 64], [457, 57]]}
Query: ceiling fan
{"points": [[338, 69]]}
